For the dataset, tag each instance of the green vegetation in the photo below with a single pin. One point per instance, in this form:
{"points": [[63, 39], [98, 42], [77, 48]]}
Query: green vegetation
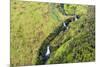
{"points": [[74, 9], [34, 25]]}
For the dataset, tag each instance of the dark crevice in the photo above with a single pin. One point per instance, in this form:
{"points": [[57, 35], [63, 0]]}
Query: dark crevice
{"points": [[61, 28]]}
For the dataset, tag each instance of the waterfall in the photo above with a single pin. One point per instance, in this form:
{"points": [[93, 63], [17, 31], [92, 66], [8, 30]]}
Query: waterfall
{"points": [[48, 51]]}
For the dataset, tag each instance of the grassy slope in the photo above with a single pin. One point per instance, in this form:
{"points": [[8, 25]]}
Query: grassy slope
{"points": [[29, 27], [32, 22], [78, 43], [78, 48]]}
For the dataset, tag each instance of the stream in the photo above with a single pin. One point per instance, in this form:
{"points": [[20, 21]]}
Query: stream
{"points": [[42, 59]]}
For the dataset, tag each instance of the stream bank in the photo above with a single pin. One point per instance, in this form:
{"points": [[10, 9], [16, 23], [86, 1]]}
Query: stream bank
{"points": [[57, 31]]}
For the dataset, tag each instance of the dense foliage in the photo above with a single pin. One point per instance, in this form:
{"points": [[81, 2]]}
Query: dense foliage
{"points": [[35, 25]]}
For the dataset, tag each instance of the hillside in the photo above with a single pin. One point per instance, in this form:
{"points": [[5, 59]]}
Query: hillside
{"points": [[34, 25]]}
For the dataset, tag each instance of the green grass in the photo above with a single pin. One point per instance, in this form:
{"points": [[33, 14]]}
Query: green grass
{"points": [[32, 22], [82, 43], [29, 27]]}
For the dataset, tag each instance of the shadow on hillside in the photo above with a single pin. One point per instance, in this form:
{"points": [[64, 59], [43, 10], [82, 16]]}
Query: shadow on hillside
{"points": [[41, 54]]}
